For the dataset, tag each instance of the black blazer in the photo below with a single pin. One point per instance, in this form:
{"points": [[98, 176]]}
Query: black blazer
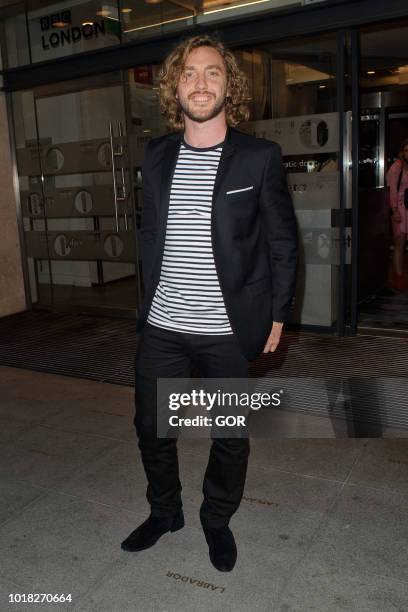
{"points": [[253, 226]]}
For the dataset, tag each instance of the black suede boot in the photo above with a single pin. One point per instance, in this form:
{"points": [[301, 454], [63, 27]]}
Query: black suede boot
{"points": [[147, 534], [222, 547]]}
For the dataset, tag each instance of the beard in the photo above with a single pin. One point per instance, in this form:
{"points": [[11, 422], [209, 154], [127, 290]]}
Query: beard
{"points": [[202, 114]]}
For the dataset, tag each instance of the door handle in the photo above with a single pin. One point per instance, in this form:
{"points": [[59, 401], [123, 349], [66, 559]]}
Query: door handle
{"points": [[122, 171], [115, 187]]}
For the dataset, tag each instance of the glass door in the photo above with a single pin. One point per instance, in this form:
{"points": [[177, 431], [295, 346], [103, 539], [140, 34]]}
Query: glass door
{"points": [[383, 90], [295, 103], [77, 195]]}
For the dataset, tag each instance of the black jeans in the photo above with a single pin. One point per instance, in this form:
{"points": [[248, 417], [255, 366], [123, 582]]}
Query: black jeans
{"points": [[168, 354]]}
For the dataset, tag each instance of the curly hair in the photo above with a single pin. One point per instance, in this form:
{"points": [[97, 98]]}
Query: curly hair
{"points": [[236, 103]]}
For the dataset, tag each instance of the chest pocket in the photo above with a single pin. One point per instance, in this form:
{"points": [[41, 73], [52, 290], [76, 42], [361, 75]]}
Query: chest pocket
{"points": [[241, 203], [239, 190]]}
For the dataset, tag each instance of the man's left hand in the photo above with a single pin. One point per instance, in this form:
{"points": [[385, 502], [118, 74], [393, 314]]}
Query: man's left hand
{"points": [[274, 337]]}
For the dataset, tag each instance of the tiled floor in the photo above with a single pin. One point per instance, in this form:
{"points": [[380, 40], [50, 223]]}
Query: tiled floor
{"points": [[322, 526]]}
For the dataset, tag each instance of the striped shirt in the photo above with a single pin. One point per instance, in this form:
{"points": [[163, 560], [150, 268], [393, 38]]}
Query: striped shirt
{"points": [[188, 297]]}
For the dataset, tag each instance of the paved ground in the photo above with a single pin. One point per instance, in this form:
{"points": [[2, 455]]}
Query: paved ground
{"points": [[323, 524]]}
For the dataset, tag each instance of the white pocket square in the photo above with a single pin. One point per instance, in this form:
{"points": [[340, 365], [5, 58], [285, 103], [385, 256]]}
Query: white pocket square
{"points": [[238, 190]]}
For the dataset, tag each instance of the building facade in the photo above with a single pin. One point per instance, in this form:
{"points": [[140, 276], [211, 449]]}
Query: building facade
{"points": [[328, 81]]}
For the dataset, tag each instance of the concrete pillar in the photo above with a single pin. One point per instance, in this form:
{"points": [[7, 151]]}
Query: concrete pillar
{"points": [[12, 294]]}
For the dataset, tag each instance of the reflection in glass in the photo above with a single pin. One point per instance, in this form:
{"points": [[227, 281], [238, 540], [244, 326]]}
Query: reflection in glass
{"points": [[154, 17], [13, 36], [383, 82], [79, 222], [293, 88]]}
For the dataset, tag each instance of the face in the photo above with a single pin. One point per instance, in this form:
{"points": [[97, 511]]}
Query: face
{"points": [[203, 85]]}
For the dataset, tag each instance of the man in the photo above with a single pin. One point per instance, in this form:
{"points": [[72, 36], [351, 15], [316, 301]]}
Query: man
{"points": [[219, 249]]}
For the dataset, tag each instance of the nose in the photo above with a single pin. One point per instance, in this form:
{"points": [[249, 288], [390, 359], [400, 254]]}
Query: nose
{"points": [[201, 82]]}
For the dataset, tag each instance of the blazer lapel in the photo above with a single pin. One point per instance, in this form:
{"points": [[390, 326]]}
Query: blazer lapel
{"points": [[167, 170], [224, 163]]}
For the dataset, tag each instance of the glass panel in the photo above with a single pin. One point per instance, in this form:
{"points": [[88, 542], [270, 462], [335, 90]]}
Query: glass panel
{"points": [[383, 127], [150, 19], [155, 17], [82, 200], [66, 27], [218, 10], [13, 36], [69, 27], [144, 122], [31, 194], [293, 88]]}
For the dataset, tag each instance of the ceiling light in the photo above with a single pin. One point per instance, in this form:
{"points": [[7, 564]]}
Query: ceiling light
{"points": [[127, 10], [103, 13], [155, 25], [322, 86], [228, 8], [90, 23], [370, 71]]}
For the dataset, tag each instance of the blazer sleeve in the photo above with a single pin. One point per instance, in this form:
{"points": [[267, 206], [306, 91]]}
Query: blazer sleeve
{"points": [[148, 224], [281, 233]]}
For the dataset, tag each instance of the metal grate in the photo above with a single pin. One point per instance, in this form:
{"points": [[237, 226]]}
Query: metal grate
{"points": [[96, 348], [102, 349]]}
